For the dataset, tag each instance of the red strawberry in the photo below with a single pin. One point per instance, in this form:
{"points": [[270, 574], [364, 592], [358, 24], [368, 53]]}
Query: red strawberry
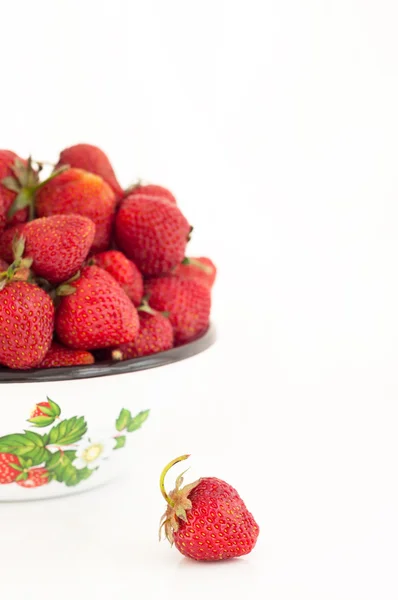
{"points": [[57, 356], [207, 519], [58, 245], [26, 324], [37, 412], [98, 314], [201, 269], [152, 191], [3, 265], [155, 335], [185, 300], [7, 473], [6, 241], [153, 233], [124, 271], [91, 159], [79, 192], [35, 478]]}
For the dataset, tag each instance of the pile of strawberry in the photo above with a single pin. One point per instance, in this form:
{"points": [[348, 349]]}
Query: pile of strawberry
{"points": [[88, 270]]}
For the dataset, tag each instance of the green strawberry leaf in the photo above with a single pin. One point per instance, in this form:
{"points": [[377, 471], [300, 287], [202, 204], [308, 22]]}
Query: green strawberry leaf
{"points": [[61, 468], [56, 410], [123, 419], [22, 476], [136, 422], [120, 442], [11, 184], [29, 445], [68, 431], [23, 200], [42, 421]]}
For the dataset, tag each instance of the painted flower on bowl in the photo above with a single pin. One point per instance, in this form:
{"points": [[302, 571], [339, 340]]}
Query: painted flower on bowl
{"points": [[90, 453]]}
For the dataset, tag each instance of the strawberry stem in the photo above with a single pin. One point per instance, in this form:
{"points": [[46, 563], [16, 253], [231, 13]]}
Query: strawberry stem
{"points": [[167, 468], [144, 307], [197, 263]]}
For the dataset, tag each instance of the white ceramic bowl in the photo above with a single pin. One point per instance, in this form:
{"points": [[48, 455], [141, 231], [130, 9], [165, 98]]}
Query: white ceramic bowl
{"points": [[81, 440]]}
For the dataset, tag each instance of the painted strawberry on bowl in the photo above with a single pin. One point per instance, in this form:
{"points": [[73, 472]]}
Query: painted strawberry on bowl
{"points": [[95, 290]]}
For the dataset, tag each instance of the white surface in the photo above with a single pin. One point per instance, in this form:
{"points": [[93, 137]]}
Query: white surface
{"points": [[276, 124]]}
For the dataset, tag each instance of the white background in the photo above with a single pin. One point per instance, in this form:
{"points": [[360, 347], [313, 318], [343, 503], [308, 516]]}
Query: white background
{"points": [[276, 124]]}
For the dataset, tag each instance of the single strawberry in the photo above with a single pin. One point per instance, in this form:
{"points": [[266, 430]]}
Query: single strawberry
{"points": [[58, 356], [34, 478], [207, 520], [97, 313], [26, 324], [155, 335], [37, 412], [7, 473], [18, 179], [58, 245], [124, 271], [186, 301], [201, 269], [151, 191], [6, 241], [153, 233], [91, 159], [78, 192]]}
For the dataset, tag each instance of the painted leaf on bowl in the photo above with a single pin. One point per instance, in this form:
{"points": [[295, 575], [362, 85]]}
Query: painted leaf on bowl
{"points": [[123, 419], [27, 445], [68, 431], [120, 442], [64, 453], [60, 464]]}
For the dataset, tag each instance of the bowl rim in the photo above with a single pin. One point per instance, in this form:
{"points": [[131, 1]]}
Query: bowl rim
{"points": [[107, 368]]}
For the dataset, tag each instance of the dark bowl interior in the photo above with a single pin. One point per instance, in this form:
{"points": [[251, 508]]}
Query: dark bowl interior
{"points": [[102, 369]]}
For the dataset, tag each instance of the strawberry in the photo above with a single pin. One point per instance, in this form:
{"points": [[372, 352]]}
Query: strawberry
{"points": [[34, 478], [7, 473], [201, 269], [58, 245], [37, 412], [152, 191], [207, 519], [79, 192], [151, 232], [155, 335], [3, 265], [6, 241], [26, 324], [91, 159], [124, 271], [97, 314], [17, 182], [58, 356], [186, 301]]}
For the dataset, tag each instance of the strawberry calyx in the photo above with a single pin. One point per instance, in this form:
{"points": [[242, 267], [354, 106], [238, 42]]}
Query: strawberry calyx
{"points": [[178, 501], [139, 183], [19, 270], [66, 289], [25, 183], [144, 307], [197, 263]]}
